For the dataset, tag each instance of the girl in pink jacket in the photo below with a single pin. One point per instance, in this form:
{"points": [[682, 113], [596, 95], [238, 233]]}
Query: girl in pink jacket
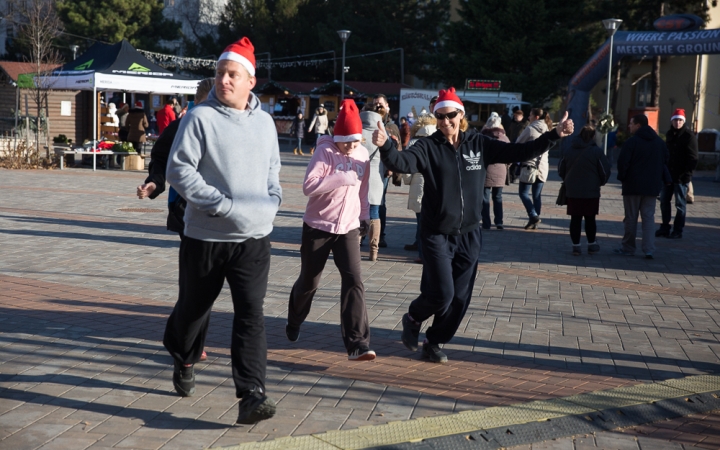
{"points": [[337, 214]]}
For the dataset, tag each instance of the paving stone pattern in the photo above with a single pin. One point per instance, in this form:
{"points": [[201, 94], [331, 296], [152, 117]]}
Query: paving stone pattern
{"points": [[86, 285]]}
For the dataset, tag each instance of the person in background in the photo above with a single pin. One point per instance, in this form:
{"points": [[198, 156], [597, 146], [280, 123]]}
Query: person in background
{"points": [[518, 124], [137, 123], [506, 119], [540, 123], [154, 184], [176, 106], [641, 166], [425, 125], [318, 125], [683, 149], [496, 177], [404, 132], [381, 106], [337, 213], [376, 178], [122, 119], [584, 168], [166, 115], [298, 131]]}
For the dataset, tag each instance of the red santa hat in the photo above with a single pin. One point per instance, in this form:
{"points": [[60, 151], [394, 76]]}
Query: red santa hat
{"points": [[348, 126], [448, 99], [241, 52], [678, 114], [138, 104]]}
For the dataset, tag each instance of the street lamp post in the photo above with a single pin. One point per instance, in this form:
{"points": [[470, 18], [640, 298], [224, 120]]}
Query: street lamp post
{"points": [[74, 49], [344, 35], [611, 25]]}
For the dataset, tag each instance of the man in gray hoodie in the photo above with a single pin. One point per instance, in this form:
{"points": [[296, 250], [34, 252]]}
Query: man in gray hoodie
{"points": [[225, 162]]}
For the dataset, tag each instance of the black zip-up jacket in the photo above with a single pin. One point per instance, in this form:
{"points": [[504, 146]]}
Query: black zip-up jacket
{"points": [[455, 178], [683, 147]]}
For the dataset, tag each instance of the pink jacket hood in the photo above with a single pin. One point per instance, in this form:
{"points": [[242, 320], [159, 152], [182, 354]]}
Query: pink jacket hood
{"points": [[337, 187]]}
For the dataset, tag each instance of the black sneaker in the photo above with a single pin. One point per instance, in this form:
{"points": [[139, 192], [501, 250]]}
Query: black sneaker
{"points": [[410, 333], [593, 248], [292, 333], [662, 232], [434, 354], [500, 227], [184, 379], [675, 235], [576, 251], [254, 407], [361, 353], [649, 256], [382, 243]]}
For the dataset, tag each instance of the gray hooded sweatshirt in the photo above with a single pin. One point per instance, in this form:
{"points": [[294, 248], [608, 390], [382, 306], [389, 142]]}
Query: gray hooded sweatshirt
{"points": [[226, 163]]}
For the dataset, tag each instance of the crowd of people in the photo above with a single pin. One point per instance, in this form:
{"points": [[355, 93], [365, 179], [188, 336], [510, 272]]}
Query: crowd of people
{"points": [[222, 160]]}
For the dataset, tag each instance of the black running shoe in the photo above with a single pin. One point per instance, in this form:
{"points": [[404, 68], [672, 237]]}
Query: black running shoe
{"points": [[254, 407], [292, 333], [410, 333], [434, 354], [184, 379]]}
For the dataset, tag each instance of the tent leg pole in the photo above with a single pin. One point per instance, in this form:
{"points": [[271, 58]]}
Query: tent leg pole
{"points": [[94, 119]]}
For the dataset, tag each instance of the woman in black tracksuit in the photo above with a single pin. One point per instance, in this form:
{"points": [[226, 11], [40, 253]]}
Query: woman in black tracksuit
{"points": [[453, 164]]}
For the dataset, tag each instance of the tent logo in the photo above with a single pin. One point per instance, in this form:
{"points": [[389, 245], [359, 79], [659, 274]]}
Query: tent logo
{"points": [[85, 65], [135, 67]]}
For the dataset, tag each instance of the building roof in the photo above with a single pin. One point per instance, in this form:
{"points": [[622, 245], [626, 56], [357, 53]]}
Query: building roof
{"points": [[12, 69]]}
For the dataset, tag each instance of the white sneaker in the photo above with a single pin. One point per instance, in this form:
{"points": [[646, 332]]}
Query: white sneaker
{"points": [[361, 354]]}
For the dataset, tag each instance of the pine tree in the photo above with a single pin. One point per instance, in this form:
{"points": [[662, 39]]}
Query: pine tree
{"points": [[139, 21]]}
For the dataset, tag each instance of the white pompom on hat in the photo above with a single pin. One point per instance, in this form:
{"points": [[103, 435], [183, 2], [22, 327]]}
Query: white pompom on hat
{"points": [[348, 126], [447, 98], [241, 52]]}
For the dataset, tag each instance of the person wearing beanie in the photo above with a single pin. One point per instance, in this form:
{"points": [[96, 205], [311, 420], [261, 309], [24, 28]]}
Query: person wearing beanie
{"points": [[496, 177], [377, 181], [453, 164], [337, 214], [683, 147], [225, 162]]}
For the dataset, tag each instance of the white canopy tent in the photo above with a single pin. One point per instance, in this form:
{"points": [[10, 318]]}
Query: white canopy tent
{"points": [[117, 67]]}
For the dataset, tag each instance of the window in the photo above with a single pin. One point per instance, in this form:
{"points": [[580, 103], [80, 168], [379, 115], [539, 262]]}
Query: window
{"points": [[642, 92]]}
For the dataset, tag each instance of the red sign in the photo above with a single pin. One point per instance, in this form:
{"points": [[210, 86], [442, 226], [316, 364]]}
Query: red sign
{"points": [[482, 85]]}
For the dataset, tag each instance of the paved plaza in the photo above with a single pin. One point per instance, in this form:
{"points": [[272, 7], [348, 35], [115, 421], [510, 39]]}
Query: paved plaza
{"points": [[88, 277]]}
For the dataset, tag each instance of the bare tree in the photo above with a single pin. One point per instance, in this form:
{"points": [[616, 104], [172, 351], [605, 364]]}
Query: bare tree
{"points": [[37, 27]]}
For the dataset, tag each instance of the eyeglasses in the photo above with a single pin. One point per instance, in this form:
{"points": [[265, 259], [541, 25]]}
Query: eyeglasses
{"points": [[450, 115]]}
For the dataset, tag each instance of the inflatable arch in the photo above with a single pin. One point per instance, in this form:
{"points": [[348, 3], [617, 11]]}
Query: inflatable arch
{"points": [[675, 36]]}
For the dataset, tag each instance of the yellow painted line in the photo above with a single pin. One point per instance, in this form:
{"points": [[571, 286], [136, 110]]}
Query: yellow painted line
{"points": [[499, 416]]}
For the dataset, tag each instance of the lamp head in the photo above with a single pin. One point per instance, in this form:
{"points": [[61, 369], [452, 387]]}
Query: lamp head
{"points": [[344, 34], [612, 25]]}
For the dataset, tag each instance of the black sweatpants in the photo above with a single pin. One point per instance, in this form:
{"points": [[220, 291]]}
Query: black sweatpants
{"points": [[448, 278], [204, 267], [314, 252]]}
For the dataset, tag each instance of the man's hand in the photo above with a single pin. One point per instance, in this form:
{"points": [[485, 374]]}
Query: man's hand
{"points": [[565, 127], [364, 227], [380, 136], [145, 190]]}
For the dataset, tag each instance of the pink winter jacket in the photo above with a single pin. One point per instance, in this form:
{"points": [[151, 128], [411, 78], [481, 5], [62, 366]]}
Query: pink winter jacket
{"points": [[337, 187]]}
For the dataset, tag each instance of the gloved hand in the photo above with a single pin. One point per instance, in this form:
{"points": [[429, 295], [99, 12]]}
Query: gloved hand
{"points": [[364, 228]]}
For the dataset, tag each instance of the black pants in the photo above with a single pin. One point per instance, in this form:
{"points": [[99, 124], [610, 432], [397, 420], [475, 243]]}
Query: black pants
{"points": [[314, 252], [448, 278], [204, 267], [590, 228]]}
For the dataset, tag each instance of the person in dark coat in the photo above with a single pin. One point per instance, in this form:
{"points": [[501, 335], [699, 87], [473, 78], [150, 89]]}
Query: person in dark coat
{"points": [[517, 126], [137, 122], [452, 163], [584, 168], [683, 148], [298, 131], [640, 166]]}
